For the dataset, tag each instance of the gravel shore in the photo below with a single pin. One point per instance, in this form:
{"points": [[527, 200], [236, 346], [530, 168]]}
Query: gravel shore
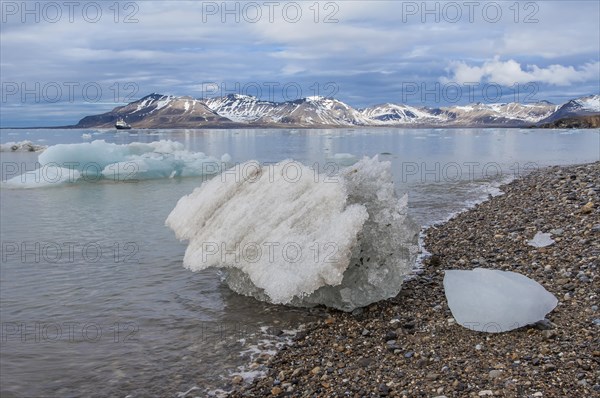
{"points": [[410, 346]]}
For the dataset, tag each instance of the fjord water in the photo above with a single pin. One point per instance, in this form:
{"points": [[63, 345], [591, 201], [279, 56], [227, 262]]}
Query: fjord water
{"points": [[94, 298]]}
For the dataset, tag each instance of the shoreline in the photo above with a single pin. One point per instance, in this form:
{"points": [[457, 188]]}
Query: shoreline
{"points": [[411, 346]]}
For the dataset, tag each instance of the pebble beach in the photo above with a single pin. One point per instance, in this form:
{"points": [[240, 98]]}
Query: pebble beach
{"points": [[411, 346]]}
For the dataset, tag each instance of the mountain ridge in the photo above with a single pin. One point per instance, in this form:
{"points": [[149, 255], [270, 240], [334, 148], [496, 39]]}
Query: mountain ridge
{"points": [[239, 111]]}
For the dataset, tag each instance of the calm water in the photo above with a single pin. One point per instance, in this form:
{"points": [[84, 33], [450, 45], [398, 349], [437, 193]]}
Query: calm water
{"points": [[95, 300]]}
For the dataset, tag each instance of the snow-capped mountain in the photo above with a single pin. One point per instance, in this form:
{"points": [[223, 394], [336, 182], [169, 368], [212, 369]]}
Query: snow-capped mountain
{"points": [[394, 114], [240, 108], [314, 111], [583, 106], [159, 111], [504, 114], [234, 110], [305, 112], [320, 111]]}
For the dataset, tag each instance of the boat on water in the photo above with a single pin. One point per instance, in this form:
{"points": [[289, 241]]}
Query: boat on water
{"points": [[122, 125]]}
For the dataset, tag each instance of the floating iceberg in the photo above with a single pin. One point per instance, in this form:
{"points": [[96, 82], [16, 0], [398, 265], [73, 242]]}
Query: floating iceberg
{"points": [[23, 146], [68, 163], [288, 235], [494, 301], [541, 240]]}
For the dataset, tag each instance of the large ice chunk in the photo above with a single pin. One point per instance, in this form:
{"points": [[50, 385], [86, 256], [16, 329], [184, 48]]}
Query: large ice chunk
{"points": [[287, 235], [487, 300], [98, 159], [22, 146]]}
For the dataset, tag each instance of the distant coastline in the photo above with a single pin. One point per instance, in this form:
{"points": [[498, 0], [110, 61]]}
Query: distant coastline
{"points": [[575, 122], [234, 111]]}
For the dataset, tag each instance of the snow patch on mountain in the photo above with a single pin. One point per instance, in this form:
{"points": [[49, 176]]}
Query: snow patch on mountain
{"points": [[512, 113], [589, 104], [240, 108], [391, 114]]}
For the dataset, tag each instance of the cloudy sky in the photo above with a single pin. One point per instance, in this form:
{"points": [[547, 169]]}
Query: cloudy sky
{"points": [[60, 61]]}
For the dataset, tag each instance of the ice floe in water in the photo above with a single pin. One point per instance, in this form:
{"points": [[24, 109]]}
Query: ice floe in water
{"points": [[487, 300], [287, 235], [343, 159], [45, 176], [96, 160], [22, 146], [541, 240]]}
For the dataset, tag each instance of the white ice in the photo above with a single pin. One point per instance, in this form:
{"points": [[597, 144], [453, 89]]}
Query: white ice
{"points": [[494, 301], [135, 161], [22, 146], [541, 240], [45, 176], [287, 235], [343, 159]]}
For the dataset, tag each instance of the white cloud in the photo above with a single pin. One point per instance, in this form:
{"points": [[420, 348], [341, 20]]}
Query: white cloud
{"points": [[509, 72]]}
